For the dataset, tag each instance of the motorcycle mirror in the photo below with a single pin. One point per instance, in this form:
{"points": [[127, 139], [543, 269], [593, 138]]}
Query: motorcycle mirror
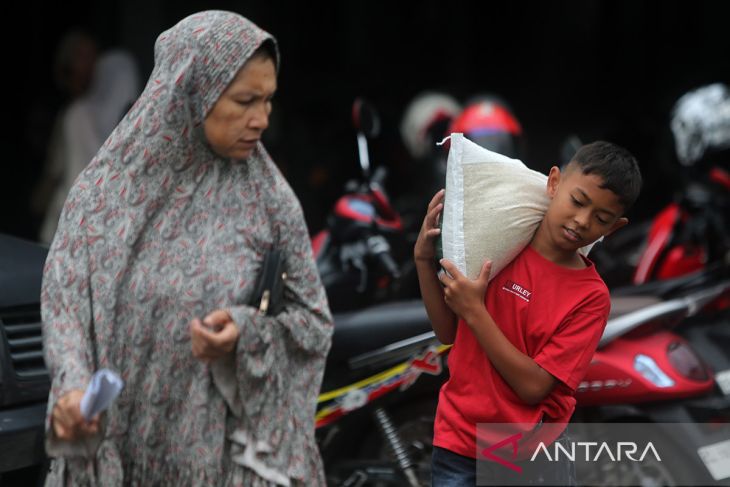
{"points": [[570, 146], [367, 124], [365, 118]]}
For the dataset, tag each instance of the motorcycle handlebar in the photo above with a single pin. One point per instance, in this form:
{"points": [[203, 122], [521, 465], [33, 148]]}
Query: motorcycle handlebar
{"points": [[380, 249], [389, 263], [379, 176]]}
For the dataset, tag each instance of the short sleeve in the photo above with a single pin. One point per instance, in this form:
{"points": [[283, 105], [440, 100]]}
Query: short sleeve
{"points": [[568, 353]]}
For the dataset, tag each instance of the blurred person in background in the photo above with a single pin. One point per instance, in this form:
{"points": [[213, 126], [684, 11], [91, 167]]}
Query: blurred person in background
{"points": [[83, 128], [74, 64], [73, 70]]}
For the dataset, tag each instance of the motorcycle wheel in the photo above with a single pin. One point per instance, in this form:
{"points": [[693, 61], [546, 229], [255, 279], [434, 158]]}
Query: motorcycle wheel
{"points": [[414, 424]]}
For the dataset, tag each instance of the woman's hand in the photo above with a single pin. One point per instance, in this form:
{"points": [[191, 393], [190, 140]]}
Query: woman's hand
{"points": [[423, 250], [214, 337], [464, 296], [67, 421]]}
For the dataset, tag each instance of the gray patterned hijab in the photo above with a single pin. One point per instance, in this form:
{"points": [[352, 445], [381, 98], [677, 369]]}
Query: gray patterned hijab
{"points": [[158, 230], [158, 153]]}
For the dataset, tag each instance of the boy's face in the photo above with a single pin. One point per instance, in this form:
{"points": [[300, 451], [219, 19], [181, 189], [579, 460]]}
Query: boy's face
{"points": [[580, 211]]}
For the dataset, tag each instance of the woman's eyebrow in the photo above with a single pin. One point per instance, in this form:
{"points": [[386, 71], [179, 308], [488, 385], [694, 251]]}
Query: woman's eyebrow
{"points": [[251, 92]]}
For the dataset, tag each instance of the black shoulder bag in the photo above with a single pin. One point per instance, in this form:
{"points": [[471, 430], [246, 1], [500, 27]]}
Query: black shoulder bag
{"points": [[268, 293]]}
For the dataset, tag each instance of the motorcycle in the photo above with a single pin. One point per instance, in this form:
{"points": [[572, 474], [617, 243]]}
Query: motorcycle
{"points": [[377, 407], [374, 421], [362, 254], [685, 370], [666, 362], [647, 369], [377, 429], [375, 415], [692, 231]]}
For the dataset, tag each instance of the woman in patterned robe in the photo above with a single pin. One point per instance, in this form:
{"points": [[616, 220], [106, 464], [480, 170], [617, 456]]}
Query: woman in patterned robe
{"points": [[168, 225]]}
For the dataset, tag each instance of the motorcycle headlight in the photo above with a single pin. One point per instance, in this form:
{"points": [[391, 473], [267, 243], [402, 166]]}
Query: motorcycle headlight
{"points": [[649, 369], [685, 361]]}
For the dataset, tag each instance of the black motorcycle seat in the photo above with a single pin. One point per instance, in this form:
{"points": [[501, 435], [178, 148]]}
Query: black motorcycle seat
{"points": [[375, 327], [372, 328], [667, 288]]}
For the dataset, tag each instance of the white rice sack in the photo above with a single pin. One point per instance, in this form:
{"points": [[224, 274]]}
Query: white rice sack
{"points": [[492, 207]]}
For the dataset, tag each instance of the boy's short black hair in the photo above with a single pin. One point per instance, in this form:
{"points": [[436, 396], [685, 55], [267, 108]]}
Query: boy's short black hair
{"points": [[615, 165]]}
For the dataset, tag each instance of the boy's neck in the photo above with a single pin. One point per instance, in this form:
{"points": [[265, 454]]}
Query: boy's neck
{"points": [[542, 244]]}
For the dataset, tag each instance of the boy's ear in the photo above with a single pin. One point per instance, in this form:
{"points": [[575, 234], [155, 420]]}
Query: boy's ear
{"points": [[620, 222], [553, 181]]}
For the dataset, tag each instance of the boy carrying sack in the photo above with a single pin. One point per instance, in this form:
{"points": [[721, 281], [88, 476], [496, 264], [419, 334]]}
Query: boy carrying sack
{"points": [[524, 339]]}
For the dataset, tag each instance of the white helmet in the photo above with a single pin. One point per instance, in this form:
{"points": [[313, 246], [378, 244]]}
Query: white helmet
{"points": [[701, 122], [426, 110]]}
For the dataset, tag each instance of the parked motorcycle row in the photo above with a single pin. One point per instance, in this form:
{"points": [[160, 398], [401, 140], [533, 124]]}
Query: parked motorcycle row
{"points": [[664, 357]]}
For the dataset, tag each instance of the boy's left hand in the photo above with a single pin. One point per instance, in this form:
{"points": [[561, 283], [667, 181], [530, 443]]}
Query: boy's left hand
{"points": [[464, 296]]}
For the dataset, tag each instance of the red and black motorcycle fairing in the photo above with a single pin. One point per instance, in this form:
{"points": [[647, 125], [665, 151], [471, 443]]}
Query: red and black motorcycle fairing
{"points": [[689, 233]]}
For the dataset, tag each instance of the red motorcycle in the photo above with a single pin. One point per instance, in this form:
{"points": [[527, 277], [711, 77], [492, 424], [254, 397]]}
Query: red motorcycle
{"points": [[664, 356], [645, 370], [689, 233], [692, 232], [375, 410], [362, 254]]}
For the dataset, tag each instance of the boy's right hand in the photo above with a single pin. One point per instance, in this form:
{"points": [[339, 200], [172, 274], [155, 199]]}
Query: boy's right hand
{"points": [[424, 248], [67, 421]]}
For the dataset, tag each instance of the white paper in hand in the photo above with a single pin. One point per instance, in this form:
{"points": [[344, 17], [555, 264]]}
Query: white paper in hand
{"points": [[104, 387]]}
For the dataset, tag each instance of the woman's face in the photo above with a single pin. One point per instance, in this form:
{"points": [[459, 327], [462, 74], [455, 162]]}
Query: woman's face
{"points": [[241, 114]]}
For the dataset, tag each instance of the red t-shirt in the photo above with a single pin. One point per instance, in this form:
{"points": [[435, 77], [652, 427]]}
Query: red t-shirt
{"points": [[554, 314]]}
